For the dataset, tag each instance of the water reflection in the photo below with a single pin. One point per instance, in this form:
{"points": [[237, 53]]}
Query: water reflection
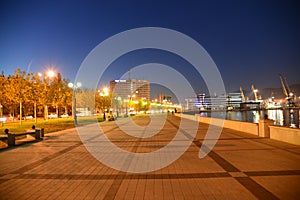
{"points": [[277, 116], [287, 117]]}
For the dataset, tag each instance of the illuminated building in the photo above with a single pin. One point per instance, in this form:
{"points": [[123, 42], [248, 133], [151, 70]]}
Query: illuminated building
{"points": [[133, 88]]}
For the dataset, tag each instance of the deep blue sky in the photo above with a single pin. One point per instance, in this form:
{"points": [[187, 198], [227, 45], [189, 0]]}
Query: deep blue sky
{"points": [[250, 41]]}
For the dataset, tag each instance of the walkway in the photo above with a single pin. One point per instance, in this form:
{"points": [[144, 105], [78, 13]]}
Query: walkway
{"points": [[241, 166]]}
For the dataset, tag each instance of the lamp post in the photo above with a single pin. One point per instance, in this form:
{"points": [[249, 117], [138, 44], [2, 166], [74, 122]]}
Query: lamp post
{"points": [[34, 104], [74, 87], [134, 96], [104, 93], [126, 106], [117, 100], [48, 75]]}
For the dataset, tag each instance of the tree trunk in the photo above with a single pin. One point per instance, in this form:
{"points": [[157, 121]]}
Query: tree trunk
{"points": [[35, 119], [20, 112], [46, 113], [56, 107], [1, 113], [13, 113]]}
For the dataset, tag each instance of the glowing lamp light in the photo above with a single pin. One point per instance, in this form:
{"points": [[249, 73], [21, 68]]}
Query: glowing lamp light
{"points": [[50, 73], [78, 84], [70, 85], [105, 92]]}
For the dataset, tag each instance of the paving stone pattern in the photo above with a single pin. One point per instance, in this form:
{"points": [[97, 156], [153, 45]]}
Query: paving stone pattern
{"points": [[241, 166]]}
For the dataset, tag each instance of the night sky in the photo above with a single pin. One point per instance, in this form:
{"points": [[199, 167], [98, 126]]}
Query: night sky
{"points": [[250, 41]]}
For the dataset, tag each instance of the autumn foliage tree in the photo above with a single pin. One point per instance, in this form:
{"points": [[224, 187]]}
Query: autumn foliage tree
{"points": [[26, 94], [21, 94]]}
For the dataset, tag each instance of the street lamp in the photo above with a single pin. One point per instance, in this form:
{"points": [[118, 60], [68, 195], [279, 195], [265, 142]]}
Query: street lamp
{"points": [[74, 87], [117, 100], [35, 98], [49, 74], [104, 93], [126, 101]]}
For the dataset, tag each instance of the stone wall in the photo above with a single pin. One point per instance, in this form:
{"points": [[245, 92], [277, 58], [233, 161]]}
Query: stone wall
{"points": [[285, 134], [264, 128]]}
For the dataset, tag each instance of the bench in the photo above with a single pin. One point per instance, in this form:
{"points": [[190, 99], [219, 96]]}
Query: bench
{"points": [[3, 137], [111, 118], [11, 138]]}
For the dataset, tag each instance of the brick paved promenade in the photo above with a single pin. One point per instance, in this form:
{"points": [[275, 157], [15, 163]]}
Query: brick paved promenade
{"points": [[241, 166]]}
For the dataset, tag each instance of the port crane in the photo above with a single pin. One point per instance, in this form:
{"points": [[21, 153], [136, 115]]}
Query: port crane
{"points": [[242, 93], [289, 96], [255, 92]]}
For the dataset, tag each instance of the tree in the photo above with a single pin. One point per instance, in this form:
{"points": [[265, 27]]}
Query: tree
{"points": [[3, 82], [85, 99], [28, 96], [35, 91], [55, 92], [27, 92], [46, 94], [143, 105], [66, 98], [102, 102], [18, 88], [10, 100]]}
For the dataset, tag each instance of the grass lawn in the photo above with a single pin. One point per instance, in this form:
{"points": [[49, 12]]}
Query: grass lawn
{"points": [[51, 125]]}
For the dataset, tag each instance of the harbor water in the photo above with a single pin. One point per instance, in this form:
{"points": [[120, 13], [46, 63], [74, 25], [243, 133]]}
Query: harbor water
{"points": [[281, 117]]}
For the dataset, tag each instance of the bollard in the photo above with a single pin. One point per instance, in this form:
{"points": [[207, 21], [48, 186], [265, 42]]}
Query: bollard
{"points": [[11, 139], [42, 132], [37, 134], [263, 127]]}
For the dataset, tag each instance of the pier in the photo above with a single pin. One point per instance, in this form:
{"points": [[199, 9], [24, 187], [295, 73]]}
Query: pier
{"points": [[240, 166]]}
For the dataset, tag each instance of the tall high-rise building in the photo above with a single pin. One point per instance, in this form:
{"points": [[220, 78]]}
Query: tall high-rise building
{"points": [[140, 89]]}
